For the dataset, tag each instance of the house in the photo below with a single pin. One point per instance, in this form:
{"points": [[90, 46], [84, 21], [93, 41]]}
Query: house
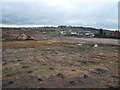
{"points": [[114, 33]]}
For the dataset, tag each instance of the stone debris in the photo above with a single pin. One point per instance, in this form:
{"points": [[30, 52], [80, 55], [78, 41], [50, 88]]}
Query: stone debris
{"points": [[96, 45], [30, 71], [79, 44], [25, 66], [60, 75], [10, 82], [40, 80]]}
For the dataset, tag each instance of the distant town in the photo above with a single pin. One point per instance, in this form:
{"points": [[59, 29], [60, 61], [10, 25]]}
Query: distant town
{"points": [[77, 31]]}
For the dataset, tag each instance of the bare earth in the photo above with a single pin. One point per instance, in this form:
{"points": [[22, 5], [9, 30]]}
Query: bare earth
{"points": [[59, 63], [102, 40]]}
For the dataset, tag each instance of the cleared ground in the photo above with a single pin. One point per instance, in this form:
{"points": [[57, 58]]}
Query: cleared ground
{"points": [[59, 62], [102, 40]]}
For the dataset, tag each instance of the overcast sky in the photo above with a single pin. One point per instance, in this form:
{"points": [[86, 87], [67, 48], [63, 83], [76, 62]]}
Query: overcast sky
{"points": [[93, 13]]}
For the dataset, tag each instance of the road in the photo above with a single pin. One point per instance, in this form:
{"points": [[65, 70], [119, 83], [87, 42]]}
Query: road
{"points": [[102, 40], [97, 40]]}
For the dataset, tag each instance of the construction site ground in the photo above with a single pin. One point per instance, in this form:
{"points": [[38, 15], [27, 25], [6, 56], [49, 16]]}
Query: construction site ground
{"points": [[58, 62]]}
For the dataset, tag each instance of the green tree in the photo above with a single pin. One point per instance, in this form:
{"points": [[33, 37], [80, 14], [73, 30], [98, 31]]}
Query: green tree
{"points": [[101, 31]]}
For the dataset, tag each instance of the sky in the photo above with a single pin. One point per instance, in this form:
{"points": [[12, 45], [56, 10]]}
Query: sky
{"points": [[87, 13]]}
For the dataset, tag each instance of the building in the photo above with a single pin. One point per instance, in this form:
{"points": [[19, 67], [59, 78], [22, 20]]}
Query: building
{"points": [[115, 33]]}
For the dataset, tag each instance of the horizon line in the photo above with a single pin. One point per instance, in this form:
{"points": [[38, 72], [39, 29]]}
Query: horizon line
{"points": [[18, 26]]}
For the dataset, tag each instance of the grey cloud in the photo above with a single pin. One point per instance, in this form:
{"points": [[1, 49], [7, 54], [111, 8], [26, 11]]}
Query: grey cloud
{"points": [[103, 15]]}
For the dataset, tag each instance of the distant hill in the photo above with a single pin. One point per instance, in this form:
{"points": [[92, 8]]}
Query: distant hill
{"points": [[58, 28]]}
